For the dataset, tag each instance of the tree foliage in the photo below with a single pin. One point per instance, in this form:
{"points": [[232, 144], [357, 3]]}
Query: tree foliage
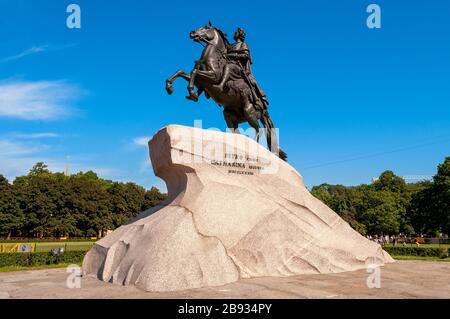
{"points": [[11, 216], [46, 204], [391, 206], [430, 207]]}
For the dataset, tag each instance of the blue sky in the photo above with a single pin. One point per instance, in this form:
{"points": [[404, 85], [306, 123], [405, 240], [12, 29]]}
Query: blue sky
{"points": [[350, 102]]}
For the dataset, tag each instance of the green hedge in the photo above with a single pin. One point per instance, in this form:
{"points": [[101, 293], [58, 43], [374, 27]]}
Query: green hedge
{"points": [[418, 251], [40, 259]]}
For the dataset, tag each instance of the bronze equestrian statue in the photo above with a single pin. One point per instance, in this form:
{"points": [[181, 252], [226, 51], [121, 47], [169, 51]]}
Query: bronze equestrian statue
{"points": [[224, 74]]}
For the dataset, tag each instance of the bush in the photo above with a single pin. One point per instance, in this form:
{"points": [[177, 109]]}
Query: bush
{"points": [[418, 251], [443, 252], [40, 259]]}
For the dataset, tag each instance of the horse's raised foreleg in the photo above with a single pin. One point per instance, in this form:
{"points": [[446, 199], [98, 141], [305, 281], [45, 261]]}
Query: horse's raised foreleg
{"points": [[169, 81], [197, 75]]}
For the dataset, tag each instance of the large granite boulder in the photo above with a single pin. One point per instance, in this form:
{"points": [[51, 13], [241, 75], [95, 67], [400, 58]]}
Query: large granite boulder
{"points": [[234, 210]]}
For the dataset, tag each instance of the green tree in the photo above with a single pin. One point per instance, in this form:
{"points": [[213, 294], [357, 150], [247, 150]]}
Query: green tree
{"points": [[430, 207], [377, 208], [11, 216], [152, 198], [42, 196], [38, 198], [388, 181], [39, 169], [92, 176], [47, 204], [126, 201], [379, 211], [340, 199], [90, 205], [402, 194]]}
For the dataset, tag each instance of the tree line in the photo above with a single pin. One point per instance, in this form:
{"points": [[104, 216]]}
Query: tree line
{"points": [[45, 204], [391, 206]]}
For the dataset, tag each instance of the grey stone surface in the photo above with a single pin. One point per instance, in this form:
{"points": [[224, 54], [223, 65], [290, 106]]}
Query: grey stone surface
{"points": [[235, 210], [403, 279]]}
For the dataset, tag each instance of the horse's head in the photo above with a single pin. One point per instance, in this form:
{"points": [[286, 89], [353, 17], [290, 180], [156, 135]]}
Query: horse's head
{"points": [[208, 34], [204, 34]]}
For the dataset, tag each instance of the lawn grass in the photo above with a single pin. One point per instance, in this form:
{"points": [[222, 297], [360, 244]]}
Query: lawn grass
{"points": [[19, 268], [421, 258], [69, 246]]}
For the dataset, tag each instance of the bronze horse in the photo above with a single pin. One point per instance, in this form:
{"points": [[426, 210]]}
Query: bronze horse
{"points": [[238, 97]]}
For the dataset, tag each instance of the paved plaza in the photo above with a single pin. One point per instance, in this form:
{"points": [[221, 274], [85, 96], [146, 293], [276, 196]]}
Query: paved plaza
{"points": [[403, 279]]}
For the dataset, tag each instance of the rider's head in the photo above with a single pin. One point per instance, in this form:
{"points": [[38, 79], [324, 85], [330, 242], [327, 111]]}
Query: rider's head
{"points": [[239, 34]]}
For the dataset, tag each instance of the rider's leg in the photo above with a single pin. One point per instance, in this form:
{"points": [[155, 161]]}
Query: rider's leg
{"points": [[225, 76]]}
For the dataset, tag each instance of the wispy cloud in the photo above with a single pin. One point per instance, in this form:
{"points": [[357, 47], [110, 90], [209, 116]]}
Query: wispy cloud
{"points": [[33, 136], [11, 149], [35, 50], [18, 157], [30, 51], [40, 100], [141, 141]]}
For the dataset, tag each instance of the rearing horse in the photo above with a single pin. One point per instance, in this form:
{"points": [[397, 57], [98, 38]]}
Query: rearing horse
{"points": [[237, 98]]}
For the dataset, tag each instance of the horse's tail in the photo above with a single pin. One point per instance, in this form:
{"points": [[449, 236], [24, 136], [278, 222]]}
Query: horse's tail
{"points": [[271, 135]]}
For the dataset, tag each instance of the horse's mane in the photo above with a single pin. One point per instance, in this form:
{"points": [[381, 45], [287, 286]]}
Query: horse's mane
{"points": [[224, 36]]}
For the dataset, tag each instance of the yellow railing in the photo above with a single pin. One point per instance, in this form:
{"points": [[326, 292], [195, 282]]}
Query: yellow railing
{"points": [[9, 248]]}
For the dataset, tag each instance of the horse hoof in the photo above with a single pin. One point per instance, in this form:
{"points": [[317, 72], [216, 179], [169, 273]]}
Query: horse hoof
{"points": [[193, 97], [169, 90]]}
